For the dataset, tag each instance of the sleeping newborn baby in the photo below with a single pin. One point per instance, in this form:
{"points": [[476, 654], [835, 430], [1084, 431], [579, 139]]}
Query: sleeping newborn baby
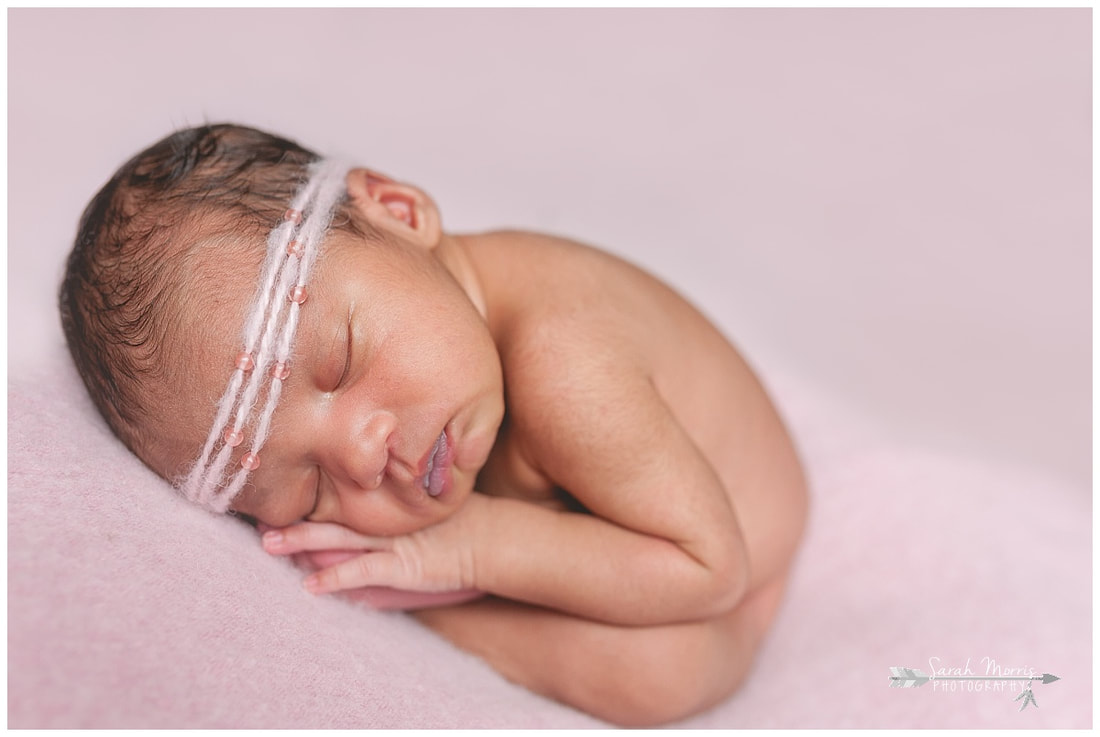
{"points": [[575, 464]]}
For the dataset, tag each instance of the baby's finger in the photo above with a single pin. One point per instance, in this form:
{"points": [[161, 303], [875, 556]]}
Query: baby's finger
{"points": [[369, 569], [319, 536], [318, 559]]}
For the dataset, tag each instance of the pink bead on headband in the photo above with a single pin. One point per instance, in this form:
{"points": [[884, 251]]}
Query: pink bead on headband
{"points": [[268, 338]]}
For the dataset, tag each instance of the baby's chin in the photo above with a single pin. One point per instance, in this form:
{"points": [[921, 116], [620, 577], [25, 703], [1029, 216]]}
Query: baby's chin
{"points": [[434, 511]]}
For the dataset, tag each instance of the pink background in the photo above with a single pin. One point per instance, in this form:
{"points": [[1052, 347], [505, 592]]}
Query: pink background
{"points": [[894, 203], [888, 211]]}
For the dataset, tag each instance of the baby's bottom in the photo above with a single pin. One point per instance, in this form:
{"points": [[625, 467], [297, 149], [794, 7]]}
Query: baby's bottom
{"points": [[632, 676]]}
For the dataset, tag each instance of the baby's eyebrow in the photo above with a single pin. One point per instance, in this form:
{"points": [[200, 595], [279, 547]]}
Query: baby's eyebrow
{"points": [[312, 321]]}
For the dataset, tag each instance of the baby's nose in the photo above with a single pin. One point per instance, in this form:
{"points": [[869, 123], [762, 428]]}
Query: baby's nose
{"points": [[367, 451]]}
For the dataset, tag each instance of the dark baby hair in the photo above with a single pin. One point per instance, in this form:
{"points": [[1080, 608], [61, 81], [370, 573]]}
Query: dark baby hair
{"points": [[125, 273]]}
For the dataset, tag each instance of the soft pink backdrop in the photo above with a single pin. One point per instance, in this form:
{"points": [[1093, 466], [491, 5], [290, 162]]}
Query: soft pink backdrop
{"points": [[889, 211], [896, 203]]}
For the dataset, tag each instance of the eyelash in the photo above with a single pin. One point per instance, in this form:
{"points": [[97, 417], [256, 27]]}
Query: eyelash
{"points": [[316, 496], [347, 360]]}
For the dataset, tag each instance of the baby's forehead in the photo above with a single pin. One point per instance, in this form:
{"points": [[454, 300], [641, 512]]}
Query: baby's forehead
{"points": [[221, 282], [224, 259]]}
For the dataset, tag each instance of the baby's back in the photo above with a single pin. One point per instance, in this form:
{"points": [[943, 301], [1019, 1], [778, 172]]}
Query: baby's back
{"points": [[578, 304]]}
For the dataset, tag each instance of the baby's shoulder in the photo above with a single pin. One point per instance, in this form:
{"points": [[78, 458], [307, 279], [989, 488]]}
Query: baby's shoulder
{"points": [[556, 292], [567, 294], [540, 253], [541, 277], [575, 322]]}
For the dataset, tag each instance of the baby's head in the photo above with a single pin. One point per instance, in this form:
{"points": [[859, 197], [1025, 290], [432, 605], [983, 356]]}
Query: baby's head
{"points": [[379, 367]]}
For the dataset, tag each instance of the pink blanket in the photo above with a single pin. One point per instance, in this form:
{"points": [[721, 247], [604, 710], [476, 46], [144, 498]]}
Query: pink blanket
{"points": [[129, 608], [897, 203]]}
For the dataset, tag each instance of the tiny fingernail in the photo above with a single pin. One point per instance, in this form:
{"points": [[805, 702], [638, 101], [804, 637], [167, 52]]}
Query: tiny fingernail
{"points": [[311, 584], [273, 538]]}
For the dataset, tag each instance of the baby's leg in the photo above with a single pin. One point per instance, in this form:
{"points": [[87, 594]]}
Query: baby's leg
{"points": [[633, 676]]}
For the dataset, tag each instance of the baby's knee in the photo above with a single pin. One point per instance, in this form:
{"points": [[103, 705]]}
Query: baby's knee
{"points": [[694, 667], [672, 672]]}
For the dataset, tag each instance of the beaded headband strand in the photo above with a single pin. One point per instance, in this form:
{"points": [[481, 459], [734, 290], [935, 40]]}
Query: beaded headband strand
{"points": [[269, 332]]}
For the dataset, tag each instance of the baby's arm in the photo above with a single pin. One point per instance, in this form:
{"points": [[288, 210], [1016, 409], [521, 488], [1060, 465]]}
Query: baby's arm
{"points": [[662, 544]]}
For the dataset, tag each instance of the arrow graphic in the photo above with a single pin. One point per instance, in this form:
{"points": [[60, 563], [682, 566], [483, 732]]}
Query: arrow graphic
{"points": [[907, 678], [914, 677], [1028, 697]]}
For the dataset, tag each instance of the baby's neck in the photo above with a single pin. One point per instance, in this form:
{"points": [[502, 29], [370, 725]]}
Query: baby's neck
{"points": [[453, 251], [488, 267]]}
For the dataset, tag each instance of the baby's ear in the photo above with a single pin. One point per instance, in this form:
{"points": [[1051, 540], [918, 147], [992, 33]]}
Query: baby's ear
{"points": [[400, 208]]}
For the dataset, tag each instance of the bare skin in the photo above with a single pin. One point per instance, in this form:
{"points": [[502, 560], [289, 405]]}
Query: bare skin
{"points": [[615, 477], [681, 659]]}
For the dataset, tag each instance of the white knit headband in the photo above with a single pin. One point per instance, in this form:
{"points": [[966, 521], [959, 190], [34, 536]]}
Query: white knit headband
{"points": [[268, 338]]}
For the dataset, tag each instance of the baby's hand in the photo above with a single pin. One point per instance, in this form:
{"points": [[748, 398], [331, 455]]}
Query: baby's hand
{"points": [[435, 559]]}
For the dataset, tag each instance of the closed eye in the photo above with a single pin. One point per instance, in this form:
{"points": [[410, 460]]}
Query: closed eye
{"points": [[316, 496], [347, 359], [334, 371]]}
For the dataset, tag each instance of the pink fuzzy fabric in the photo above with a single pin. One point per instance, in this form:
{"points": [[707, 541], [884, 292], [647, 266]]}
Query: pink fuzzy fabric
{"points": [[130, 608]]}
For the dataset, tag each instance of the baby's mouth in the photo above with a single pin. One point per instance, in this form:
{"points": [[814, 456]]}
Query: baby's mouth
{"points": [[436, 474]]}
